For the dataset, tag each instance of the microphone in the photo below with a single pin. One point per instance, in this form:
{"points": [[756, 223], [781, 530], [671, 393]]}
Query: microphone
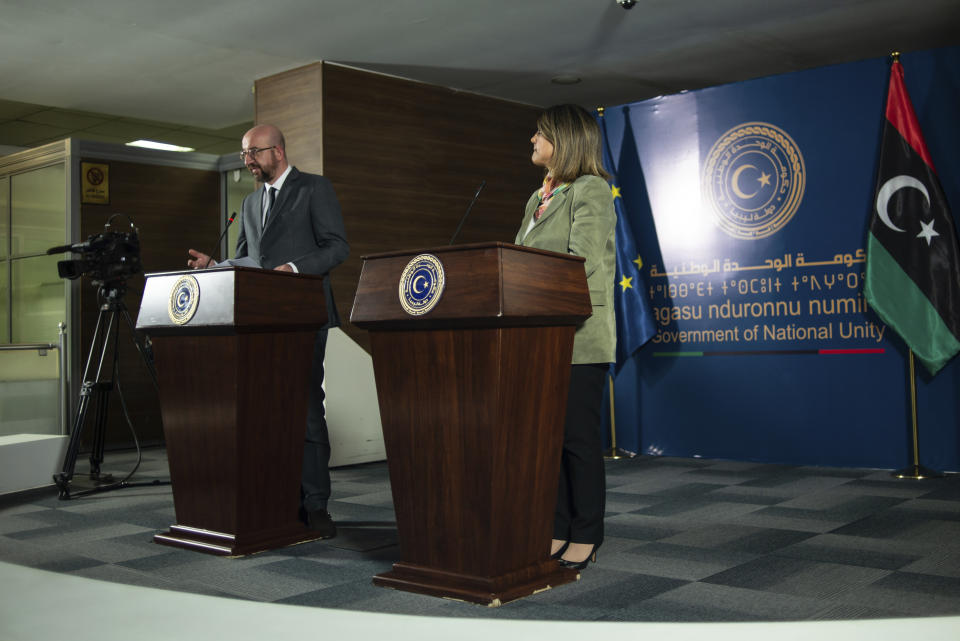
{"points": [[219, 240], [467, 213], [76, 248]]}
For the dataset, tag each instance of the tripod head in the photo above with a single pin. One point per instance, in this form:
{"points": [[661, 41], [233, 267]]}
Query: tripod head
{"points": [[112, 294]]}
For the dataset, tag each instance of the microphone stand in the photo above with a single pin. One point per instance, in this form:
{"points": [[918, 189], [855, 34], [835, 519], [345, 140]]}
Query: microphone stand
{"points": [[230, 220], [469, 207]]}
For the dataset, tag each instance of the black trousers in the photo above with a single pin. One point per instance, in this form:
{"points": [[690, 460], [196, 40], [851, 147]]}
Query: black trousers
{"points": [[580, 496], [315, 482]]}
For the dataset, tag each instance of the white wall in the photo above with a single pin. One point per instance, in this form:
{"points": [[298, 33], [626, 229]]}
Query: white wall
{"points": [[353, 413]]}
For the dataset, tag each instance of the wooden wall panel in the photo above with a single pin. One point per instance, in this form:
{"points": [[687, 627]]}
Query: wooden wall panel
{"points": [[405, 159], [174, 209], [293, 100]]}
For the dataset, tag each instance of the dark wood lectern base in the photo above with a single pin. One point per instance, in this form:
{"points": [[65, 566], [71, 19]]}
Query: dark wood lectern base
{"points": [[223, 544], [234, 389], [235, 440], [472, 401], [492, 592]]}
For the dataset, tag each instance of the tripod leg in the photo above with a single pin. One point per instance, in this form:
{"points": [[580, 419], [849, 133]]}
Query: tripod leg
{"points": [[103, 399], [114, 305], [70, 459], [63, 479], [99, 430]]}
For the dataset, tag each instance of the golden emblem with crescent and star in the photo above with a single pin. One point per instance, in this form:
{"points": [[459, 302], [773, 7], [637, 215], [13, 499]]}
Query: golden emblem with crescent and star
{"points": [[754, 178], [184, 298], [421, 284]]}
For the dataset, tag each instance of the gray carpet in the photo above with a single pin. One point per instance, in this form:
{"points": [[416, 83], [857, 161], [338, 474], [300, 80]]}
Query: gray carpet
{"points": [[687, 540]]}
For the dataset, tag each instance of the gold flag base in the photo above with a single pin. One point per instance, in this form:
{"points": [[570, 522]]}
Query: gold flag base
{"points": [[917, 472], [613, 454]]}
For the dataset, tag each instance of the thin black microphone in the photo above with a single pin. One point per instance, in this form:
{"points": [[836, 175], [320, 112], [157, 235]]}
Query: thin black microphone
{"points": [[467, 213], [219, 240], [75, 248]]}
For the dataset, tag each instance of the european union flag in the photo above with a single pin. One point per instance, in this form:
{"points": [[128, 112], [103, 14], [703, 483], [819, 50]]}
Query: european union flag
{"points": [[635, 322]]}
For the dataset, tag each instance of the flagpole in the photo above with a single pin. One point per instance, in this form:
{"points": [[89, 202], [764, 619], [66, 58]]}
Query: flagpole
{"points": [[612, 453], [915, 471]]}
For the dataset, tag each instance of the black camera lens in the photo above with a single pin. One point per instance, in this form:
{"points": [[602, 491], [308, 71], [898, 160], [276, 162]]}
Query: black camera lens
{"points": [[70, 269]]}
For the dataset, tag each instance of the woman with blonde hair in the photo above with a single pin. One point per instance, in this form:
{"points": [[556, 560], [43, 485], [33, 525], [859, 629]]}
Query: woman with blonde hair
{"points": [[573, 213]]}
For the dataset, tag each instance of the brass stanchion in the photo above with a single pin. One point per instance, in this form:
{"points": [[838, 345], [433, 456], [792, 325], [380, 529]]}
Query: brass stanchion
{"points": [[915, 471], [613, 452]]}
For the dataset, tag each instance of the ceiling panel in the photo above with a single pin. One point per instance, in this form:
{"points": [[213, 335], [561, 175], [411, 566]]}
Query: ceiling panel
{"points": [[187, 64]]}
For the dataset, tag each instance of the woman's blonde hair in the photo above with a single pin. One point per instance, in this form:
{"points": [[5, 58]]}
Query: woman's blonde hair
{"points": [[575, 137]]}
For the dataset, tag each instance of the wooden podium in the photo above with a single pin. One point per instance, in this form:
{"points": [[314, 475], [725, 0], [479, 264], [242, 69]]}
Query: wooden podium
{"points": [[234, 392], [472, 400]]}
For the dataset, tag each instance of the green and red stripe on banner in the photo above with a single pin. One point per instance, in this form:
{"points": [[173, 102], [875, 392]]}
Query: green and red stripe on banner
{"points": [[913, 260]]}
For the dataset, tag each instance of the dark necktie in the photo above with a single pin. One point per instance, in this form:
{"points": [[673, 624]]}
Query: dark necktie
{"points": [[271, 192]]}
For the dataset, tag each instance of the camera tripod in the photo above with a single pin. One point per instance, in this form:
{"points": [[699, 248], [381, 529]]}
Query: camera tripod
{"points": [[111, 311]]}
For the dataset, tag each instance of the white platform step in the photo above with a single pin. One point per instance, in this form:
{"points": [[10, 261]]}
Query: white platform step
{"points": [[29, 460]]}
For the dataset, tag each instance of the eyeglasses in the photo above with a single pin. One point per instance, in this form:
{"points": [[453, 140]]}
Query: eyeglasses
{"points": [[253, 151]]}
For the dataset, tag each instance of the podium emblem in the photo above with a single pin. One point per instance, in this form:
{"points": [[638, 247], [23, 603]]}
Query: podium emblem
{"points": [[184, 296], [421, 284]]}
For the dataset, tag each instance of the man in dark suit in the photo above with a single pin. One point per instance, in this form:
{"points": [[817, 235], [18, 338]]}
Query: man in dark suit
{"points": [[293, 223]]}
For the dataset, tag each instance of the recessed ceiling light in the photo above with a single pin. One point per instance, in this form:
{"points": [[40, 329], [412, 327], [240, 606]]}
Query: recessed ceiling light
{"points": [[151, 144], [565, 79]]}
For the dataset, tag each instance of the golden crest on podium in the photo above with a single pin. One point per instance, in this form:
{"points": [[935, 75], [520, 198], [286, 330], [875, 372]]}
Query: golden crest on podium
{"points": [[184, 297], [421, 284]]}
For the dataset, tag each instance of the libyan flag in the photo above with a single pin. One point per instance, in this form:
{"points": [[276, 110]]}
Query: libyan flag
{"points": [[913, 261]]}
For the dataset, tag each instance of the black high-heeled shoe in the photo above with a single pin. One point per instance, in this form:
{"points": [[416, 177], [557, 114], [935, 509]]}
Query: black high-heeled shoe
{"points": [[563, 548], [580, 565]]}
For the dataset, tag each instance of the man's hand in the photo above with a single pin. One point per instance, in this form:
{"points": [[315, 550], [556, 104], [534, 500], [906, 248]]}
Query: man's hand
{"points": [[283, 268], [199, 260]]}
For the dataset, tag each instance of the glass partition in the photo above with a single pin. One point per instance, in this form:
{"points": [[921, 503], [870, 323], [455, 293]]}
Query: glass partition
{"points": [[29, 391], [38, 203], [38, 301], [4, 216], [4, 263], [33, 210], [33, 218], [4, 302]]}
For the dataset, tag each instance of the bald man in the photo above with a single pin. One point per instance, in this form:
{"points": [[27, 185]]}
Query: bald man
{"points": [[297, 227]]}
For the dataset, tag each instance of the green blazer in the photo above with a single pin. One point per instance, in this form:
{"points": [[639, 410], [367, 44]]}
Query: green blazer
{"points": [[581, 221]]}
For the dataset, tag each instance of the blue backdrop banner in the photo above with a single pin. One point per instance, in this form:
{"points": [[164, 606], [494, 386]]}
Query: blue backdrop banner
{"points": [[750, 204]]}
